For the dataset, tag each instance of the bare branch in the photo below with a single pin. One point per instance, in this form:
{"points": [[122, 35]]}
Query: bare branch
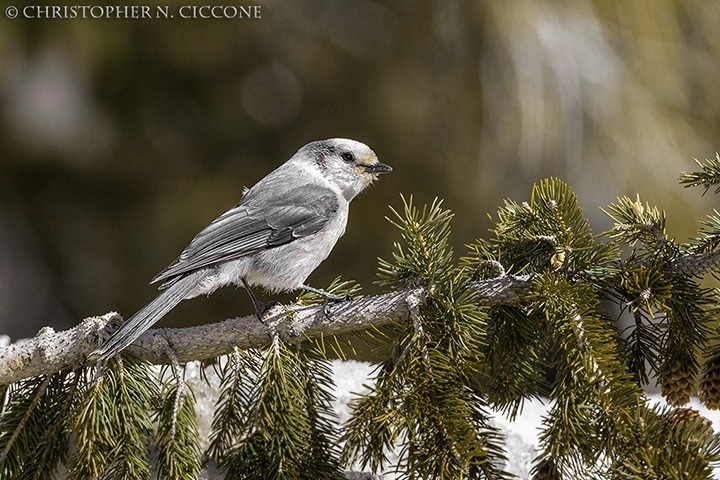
{"points": [[696, 264], [506, 289], [49, 351]]}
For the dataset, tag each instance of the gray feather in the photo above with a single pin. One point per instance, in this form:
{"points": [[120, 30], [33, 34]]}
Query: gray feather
{"points": [[255, 225], [147, 316]]}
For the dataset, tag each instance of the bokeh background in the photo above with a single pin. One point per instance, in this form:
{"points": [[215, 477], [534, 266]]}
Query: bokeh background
{"points": [[121, 138]]}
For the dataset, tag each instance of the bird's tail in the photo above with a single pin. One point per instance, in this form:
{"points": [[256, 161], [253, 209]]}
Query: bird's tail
{"points": [[146, 317]]}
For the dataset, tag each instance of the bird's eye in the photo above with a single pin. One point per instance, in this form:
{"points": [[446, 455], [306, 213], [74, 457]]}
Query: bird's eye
{"points": [[347, 157]]}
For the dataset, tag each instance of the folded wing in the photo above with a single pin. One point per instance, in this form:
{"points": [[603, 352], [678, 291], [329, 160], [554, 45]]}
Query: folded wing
{"points": [[253, 226]]}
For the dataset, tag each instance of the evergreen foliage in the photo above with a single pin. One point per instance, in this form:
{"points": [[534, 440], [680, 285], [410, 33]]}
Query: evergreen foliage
{"points": [[177, 435], [33, 429], [559, 327], [274, 419], [112, 422], [439, 371], [709, 177], [427, 396], [667, 444]]}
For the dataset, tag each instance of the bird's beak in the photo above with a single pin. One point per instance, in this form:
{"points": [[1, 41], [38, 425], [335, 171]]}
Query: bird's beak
{"points": [[378, 168]]}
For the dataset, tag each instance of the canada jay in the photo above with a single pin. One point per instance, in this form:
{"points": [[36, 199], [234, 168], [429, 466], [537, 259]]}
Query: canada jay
{"points": [[275, 237]]}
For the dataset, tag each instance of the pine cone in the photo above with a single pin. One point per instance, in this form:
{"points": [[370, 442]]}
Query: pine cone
{"points": [[710, 384], [677, 384], [680, 417], [545, 470]]}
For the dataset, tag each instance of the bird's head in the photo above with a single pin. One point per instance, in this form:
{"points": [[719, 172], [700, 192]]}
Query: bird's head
{"points": [[348, 164]]}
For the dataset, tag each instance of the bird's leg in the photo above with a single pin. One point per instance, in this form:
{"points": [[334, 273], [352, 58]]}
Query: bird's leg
{"points": [[260, 308]]}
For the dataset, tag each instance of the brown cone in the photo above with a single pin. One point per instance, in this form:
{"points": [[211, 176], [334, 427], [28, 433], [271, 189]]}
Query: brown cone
{"points": [[677, 384], [710, 384], [679, 418], [546, 470]]}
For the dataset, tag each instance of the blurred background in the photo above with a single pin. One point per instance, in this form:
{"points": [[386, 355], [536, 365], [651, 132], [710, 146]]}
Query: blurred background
{"points": [[121, 138]]}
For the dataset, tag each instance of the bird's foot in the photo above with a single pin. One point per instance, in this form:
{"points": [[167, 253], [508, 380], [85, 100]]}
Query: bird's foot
{"points": [[262, 308], [326, 309], [332, 299], [332, 302]]}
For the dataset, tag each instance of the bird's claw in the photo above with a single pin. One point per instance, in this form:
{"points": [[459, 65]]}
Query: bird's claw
{"points": [[262, 308], [332, 300]]}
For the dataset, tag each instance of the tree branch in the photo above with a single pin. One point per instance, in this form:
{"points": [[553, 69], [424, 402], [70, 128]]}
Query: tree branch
{"points": [[49, 351], [696, 264]]}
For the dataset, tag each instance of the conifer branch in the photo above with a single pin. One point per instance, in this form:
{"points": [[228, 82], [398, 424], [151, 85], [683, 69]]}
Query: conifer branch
{"points": [[180, 388], [177, 435], [696, 265], [39, 392], [529, 299], [709, 177], [50, 351]]}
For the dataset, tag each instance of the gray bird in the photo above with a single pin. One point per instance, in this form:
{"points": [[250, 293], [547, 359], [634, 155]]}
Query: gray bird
{"points": [[281, 230]]}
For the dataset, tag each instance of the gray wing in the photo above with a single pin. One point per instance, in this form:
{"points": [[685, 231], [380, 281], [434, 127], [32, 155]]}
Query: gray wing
{"points": [[253, 226]]}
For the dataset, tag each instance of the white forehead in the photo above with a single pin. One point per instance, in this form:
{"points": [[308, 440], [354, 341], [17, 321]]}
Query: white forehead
{"points": [[349, 144]]}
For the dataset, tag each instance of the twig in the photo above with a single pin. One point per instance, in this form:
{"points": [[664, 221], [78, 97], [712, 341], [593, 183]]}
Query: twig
{"points": [[180, 390]]}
